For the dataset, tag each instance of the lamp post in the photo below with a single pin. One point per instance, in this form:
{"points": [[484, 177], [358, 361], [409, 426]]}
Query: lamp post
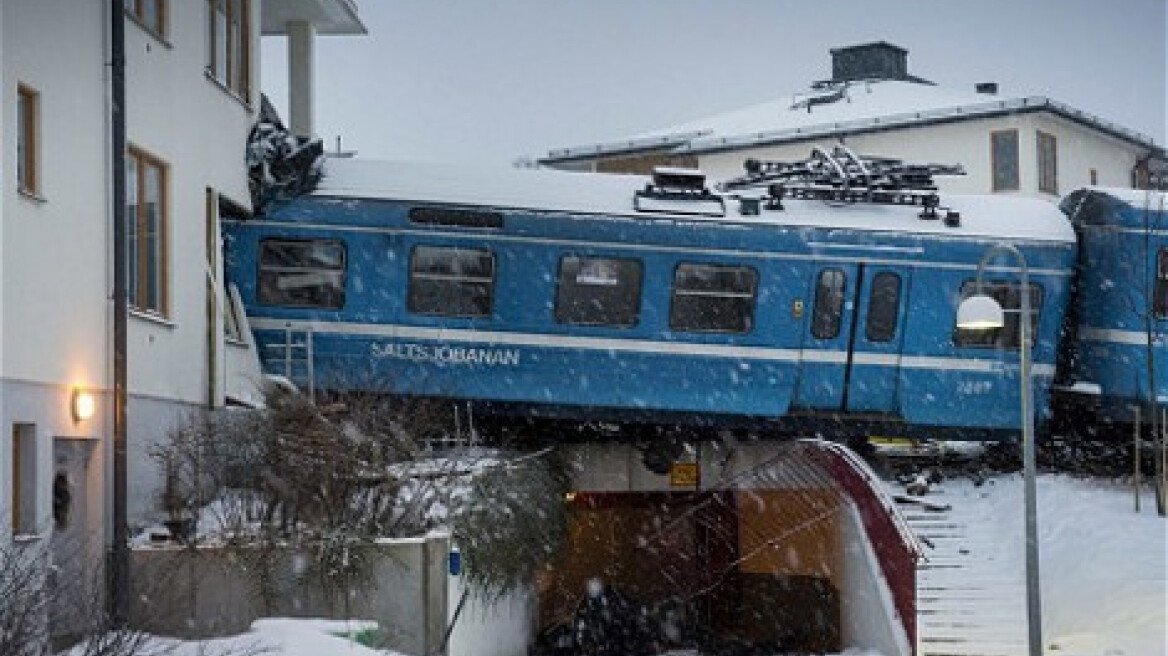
{"points": [[981, 312]]}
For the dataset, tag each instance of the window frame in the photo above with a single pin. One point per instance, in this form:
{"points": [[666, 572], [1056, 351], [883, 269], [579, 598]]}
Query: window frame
{"points": [[262, 268], [1046, 151], [139, 249], [748, 320], [566, 282], [28, 132], [995, 338], [453, 278], [229, 64], [136, 10], [1015, 184], [24, 481]]}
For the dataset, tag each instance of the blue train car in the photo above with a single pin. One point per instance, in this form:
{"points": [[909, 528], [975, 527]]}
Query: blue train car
{"points": [[569, 294], [1117, 350]]}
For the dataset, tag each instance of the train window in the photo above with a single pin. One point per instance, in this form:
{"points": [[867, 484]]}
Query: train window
{"points": [[599, 291], [713, 298], [1009, 295], [452, 282], [883, 307], [829, 304], [449, 216], [302, 273], [1160, 293]]}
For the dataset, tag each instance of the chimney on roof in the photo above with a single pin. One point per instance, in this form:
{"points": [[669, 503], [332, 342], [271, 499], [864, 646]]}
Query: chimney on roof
{"points": [[988, 88], [870, 61]]}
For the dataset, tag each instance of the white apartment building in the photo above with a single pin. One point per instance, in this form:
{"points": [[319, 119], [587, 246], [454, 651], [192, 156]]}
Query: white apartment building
{"points": [[1029, 145], [192, 96]]}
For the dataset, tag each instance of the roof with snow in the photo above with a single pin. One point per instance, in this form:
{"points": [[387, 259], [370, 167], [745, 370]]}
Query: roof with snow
{"points": [[834, 108], [613, 195]]}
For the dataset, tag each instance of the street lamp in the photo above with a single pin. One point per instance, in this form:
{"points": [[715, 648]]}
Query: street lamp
{"points": [[981, 312]]}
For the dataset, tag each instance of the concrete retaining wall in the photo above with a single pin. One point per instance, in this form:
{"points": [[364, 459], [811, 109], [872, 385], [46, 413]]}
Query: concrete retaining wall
{"points": [[220, 591]]}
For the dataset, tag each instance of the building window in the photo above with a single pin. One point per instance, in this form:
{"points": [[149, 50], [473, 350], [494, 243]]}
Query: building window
{"points": [[24, 483], [302, 273], [1093, 176], [1047, 163], [713, 298], [452, 282], [229, 44], [27, 142], [599, 291], [827, 315], [146, 228], [1160, 292], [883, 307], [1009, 296], [151, 14], [1004, 159]]}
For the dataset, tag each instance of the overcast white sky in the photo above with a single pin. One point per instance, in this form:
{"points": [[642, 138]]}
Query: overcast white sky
{"points": [[492, 80]]}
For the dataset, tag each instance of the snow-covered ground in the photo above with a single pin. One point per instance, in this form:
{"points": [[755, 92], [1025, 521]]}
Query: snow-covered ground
{"points": [[1103, 572], [1102, 567], [275, 637]]}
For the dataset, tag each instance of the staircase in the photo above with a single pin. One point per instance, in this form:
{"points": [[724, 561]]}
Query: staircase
{"points": [[970, 602]]}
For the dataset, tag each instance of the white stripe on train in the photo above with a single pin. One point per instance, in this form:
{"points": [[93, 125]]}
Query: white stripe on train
{"points": [[494, 338]]}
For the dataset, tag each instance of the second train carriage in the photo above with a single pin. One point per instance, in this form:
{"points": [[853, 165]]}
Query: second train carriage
{"points": [[569, 294], [1116, 346]]}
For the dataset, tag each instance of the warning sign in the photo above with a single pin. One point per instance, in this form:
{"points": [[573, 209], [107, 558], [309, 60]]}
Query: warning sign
{"points": [[684, 474]]}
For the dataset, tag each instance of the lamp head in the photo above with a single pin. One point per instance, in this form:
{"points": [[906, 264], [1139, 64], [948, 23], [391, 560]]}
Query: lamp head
{"points": [[83, 405], [980, 312]]}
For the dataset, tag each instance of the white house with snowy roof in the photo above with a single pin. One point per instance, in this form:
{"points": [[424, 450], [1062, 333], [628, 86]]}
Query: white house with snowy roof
{"points": [[1029, 145], [191, 96]]}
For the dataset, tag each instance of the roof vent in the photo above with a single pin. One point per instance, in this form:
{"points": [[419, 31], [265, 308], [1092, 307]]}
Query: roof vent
{"points": [[678, 191], [988, 88], [668, 178]]}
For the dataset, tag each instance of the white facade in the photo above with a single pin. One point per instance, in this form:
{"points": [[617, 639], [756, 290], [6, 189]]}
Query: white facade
{"points": [[54, 332], [56, 254], [1079, 151], [875, 108]]}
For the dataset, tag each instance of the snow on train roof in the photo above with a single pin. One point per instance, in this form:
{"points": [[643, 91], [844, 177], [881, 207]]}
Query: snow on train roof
{"points": [[612, 194], [1141, 198]]}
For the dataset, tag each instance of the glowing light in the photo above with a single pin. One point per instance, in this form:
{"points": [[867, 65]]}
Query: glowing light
{"points": [[84, 405]]}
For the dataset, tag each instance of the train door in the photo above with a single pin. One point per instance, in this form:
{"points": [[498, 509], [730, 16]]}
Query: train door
{"points": [[851, 351], [873, 370], [828, 336]]}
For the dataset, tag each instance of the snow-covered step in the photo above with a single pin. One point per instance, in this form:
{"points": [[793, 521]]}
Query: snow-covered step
{"points": [[968, 601]]}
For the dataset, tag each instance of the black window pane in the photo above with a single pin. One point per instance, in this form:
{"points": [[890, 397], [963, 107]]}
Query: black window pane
{"points": [[302, 273], [829, 304], [1160, 293], [599, 291], [1004, 146], [454, 282], [883, 307], [456, 217], [713, 298]]}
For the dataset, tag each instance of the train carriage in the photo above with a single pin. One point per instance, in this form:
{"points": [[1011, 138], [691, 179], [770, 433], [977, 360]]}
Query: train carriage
{"points": [[1116, 355], [622, 298]]}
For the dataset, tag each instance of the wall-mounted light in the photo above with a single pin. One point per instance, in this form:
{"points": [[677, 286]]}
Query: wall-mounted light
{"points": [[83, 405]]}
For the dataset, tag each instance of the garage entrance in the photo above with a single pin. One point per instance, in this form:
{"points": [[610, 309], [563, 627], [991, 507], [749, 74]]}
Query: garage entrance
{"points": [[724, 571]]}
